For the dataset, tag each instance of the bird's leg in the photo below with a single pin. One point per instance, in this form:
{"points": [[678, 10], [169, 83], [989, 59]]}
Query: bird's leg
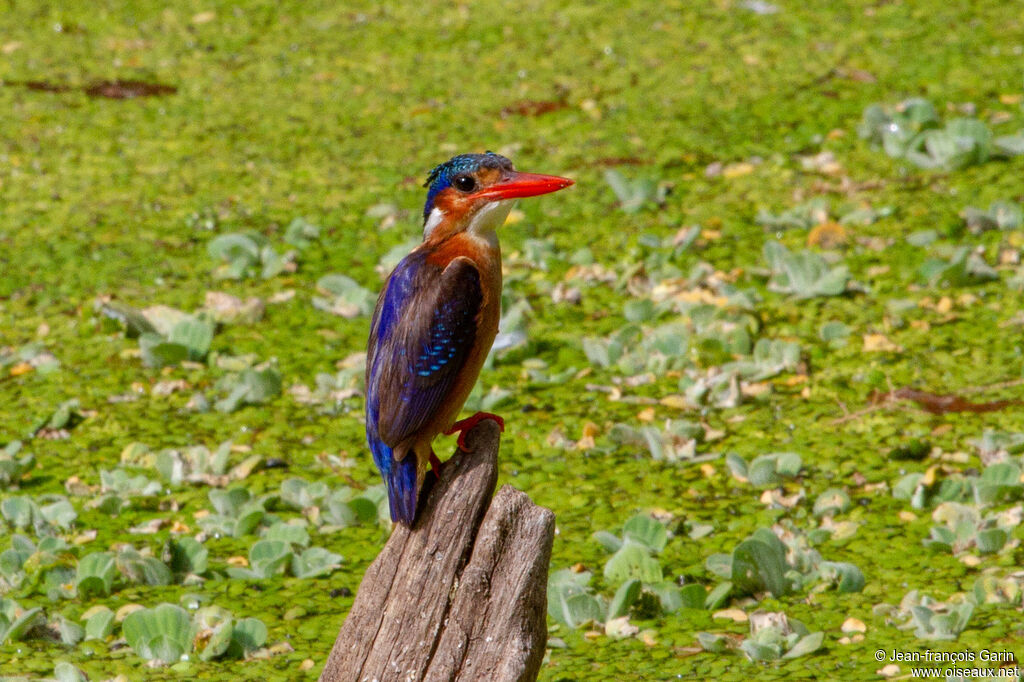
{"points": [[435, 464], [464, 425]]}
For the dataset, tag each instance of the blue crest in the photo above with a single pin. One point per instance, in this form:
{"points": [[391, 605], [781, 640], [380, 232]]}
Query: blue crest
{"points": [[442, 175]]}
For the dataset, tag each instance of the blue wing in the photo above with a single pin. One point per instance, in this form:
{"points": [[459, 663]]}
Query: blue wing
{"points": [[423, 330]]}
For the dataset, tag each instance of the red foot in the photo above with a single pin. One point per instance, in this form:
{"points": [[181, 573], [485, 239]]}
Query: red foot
{"points": [[435, 464], [464, 425]]}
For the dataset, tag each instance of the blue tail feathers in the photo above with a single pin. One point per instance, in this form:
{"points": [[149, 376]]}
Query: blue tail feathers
{"points": [[402, 492], [400, 478]]}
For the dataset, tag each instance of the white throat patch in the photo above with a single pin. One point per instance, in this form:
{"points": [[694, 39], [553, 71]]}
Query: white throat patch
{"points": [[433, 220], [489, 218]]}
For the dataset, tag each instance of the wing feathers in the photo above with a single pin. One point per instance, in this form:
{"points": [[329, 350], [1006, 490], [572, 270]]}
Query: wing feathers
{"points": [[423, 331]]}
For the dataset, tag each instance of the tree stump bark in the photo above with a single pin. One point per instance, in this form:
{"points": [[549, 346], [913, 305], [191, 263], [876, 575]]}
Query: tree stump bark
{"points": [[462, 595]]}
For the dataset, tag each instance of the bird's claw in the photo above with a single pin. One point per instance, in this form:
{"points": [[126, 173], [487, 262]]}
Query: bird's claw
{"points": [[435, 464], [463, 426]]}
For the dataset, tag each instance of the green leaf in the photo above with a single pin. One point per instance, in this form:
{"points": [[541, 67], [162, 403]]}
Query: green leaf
{"points": [[59, 513], [145, 570], [157, 352], [582, 609], [120, 482], [610, 542], [273, 262], [712, 643], [100, 623], [991, 540], [19, 511], [597, 352], [251, 387], [758, 651], [833, 331], [632, 561], [240, 253], [71, 633], [633, 195], [233, 246], [762, 471], [187, 555], [13, 469], [195, 334], [737, 465], [569, 600], [301, 233], [16, 624], [247, 522], [267, 557], [162, 633], [669, 596], [720, 565], [647, 531], [922, 237], [758, 566], [788, 464], [1009, 145], [288, 532], [250, 634], [625, 597], [808, 644], [718, 595], [832, 501], [218, 643], [135, 323], [364, 509], [850, 578], [95, 573], [66, 672], [212, 632], [229, 502], [313, 562], [639, 310], [804, 274], [692, 596], [346, 297]]}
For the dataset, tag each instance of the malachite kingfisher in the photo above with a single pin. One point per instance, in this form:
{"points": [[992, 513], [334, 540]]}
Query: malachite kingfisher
{"points": [[436, 319]]}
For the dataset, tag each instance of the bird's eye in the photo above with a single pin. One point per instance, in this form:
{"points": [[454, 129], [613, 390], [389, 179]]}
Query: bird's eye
{"points": [[465, 183]]}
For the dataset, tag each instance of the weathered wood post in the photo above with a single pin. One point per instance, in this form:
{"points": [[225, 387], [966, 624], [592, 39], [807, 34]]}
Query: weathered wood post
{"points": [[462, 595]]}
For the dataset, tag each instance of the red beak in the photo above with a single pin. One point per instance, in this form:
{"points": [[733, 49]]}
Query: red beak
{"points": [[524, 185]]}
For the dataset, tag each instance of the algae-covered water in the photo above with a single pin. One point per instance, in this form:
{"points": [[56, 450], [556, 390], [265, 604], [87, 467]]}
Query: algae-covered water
{"points": [[134, 136]]}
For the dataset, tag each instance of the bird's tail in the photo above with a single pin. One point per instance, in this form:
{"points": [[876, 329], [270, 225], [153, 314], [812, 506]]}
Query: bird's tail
{"points": [[401, 478], [403, 491]]}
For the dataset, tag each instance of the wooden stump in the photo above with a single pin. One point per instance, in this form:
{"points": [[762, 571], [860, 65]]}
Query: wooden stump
{"points": [[462, 595]]}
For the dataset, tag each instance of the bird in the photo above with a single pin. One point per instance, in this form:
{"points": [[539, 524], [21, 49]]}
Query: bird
{"points": [[436, 318]]}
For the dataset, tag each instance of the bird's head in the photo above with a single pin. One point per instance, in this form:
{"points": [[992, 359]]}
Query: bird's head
{"points": [[475, 192]]}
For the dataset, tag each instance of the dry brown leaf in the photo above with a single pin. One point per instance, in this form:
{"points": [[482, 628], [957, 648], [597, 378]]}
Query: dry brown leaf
{"points": [[735, 615], [123, 612], [874, 343], [828, 235], [736, 170], [20, 369], [676, 401], [851, 625]]}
